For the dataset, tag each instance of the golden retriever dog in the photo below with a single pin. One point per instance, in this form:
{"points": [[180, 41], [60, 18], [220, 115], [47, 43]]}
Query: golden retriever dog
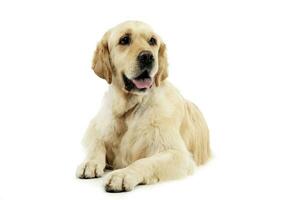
{"points": [[145, 131]]}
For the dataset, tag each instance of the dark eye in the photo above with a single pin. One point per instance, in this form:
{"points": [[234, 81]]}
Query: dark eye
{"points": [[125, 40], [152, 41]]}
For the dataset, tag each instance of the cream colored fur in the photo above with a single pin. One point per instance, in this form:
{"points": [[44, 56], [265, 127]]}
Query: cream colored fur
{"points": [[145, 137]]}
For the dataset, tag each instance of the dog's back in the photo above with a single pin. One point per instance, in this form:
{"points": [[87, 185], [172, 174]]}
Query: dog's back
{"points": [[195, 134]]}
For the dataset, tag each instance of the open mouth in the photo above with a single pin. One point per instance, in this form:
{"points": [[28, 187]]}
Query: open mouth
{"points": [[142, 82]]}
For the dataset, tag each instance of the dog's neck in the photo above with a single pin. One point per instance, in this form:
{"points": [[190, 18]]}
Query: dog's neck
{"points": [[123, 102]]}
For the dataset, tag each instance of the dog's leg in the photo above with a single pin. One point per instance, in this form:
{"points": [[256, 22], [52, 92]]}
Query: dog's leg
{"points": [[94, 164], [170, 164]]}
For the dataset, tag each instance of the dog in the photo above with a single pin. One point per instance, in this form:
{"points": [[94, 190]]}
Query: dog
{"points": [[145, 130]]}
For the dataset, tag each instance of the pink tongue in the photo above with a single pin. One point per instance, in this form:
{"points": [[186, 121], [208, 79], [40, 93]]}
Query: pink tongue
{"points": [[140, 84]]}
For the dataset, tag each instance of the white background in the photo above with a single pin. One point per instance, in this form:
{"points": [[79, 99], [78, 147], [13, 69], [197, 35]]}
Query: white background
{"points": [[237, 60]]}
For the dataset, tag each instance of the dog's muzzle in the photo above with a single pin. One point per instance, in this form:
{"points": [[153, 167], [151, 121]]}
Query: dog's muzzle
{"points": [[141, 83]]}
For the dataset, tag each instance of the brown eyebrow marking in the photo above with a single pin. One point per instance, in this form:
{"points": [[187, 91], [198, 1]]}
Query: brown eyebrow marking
{"points": [[149, 35], [127, 32]]}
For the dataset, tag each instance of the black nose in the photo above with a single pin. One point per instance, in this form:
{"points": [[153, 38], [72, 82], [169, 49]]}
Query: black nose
{"points": [[145, 59]]}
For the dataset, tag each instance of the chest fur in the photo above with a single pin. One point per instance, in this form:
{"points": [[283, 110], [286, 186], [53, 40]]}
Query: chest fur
{"points": [[126, 142]]}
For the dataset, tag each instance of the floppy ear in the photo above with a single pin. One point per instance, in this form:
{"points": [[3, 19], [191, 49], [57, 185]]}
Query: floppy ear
{"points": [[101, 61], [162, 73]]}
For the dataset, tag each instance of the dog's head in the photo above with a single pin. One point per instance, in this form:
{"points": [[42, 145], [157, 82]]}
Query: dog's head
{"points": [[132, 57]]}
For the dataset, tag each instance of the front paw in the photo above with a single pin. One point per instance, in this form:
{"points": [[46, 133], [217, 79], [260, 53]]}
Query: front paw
{"points": [[90, 169], [121, 180]]}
